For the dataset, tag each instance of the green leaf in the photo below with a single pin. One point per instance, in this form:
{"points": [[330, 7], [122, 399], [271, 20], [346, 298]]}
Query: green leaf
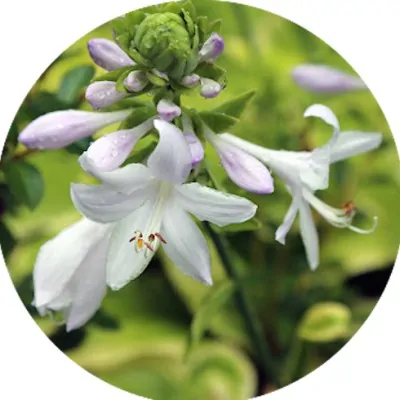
{"points": [[41, 103], [79, 146], [325, 322], [74, 82], [26, 183], [13, 133], [7, 240], [217, 297], [123, 41], [119, 26], [156, 80], [105, 320], [130, 102], [218, 122], [212, 71], [236, 106], [138, 116], [113, 76], [140, 155], [215, 26]]}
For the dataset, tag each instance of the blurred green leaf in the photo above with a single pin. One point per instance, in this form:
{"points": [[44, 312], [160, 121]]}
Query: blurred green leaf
{"points": [[74, 82], [218, 122], [7, 240], [142, 154], [105, 320], [325, 322], [25, 181], [41, 103], [235, 107], [79, 146], [216, 298], [249, 225]]}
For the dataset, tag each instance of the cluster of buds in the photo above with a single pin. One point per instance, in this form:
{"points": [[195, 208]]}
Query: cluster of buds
{"points": [[164, 50]]}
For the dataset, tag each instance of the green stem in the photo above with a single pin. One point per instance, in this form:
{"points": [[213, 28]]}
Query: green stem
{"points": [[253, 326]]}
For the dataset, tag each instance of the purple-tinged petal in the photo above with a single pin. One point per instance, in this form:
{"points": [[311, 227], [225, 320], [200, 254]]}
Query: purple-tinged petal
{"points": [[325, 79], [107, 54], [102, 94], [190, 81], [110, 151], [243, 169], [136, 81], [212, 48], [196, 148], [168, 110], [210, 88], [61, 128]]}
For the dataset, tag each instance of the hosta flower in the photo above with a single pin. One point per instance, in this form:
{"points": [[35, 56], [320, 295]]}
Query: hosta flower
{"points": [[325, 79], [212, 48], [103, 94], [195, 145], [305, 172], [148, 206], [61, 128], [107, 54], [168, 110], [210, 88], [70, 275]]}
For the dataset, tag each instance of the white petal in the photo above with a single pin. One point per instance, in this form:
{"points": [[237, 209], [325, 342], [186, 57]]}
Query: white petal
{"points": [[124, 263], [281, 232], [171, 160], [110, 151], [89, 285], [125, 179], [309, 234], [60, 257], [323, 112], [186, 245], [211, 205], [351, 143], [101, 203]]}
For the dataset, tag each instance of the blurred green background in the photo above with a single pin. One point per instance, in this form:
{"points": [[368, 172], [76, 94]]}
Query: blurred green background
{"points": [[139, 339]]}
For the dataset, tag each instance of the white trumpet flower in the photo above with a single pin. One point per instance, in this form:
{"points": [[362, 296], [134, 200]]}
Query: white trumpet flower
{"points": [[148, 206], [305, 172]]}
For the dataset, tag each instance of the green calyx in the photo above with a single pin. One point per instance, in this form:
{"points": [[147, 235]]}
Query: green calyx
{"points": [[166, 43]]}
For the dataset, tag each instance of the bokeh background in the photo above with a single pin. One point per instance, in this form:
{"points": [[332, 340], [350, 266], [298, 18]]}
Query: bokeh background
{"points": [[165, 336]]}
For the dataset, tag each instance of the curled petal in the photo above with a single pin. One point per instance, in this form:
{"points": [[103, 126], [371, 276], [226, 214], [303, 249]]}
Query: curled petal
{"points": [[353, 143], [324, 79], [171, 160], [325, 113], [212, 48], [61, 128], [110, 151], [210, 88], [108, 54], [136, 81], [102, 94], [168, 110]]}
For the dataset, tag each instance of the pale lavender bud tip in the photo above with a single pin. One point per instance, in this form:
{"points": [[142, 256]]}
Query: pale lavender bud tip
{"points": [[107, 54], [167, 110], [212, 48], [325, 79], [209, 88], [196, 148], [190, 80], [244, 169], [136, 81], [102, 94], [61, 128]]}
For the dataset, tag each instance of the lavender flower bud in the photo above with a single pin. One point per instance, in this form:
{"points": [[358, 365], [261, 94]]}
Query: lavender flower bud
{"points": [[168, 110], [108, 54], [136, 81], [210, 88], [196, 148], [190, 81], [61, 128], [325, 79], [212, 48], [102, 94]]}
